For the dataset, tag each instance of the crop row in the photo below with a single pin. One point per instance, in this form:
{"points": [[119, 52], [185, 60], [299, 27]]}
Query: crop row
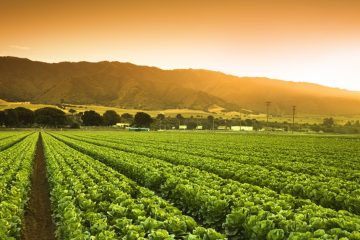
{"points": [[4, 135], [327, 191], [9, 140], [241, 211], [342, 167], [336, 151], [91, 200], [15, 172]]}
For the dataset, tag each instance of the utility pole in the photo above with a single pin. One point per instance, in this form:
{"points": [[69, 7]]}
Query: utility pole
{"points": [[293, 123], [240, 121], [267, 112], [213, 123]]}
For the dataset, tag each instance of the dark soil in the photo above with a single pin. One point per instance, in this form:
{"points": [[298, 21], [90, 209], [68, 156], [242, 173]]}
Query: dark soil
{"points": [[38, 224]]}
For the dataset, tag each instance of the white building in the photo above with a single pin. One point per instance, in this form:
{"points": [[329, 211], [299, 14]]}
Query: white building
{"points": [[242, 128], [247, 128], [182, 127], [199, 127], [235, 128], [122, 125]]}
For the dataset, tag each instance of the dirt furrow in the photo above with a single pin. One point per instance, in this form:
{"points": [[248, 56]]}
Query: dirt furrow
{"points": [[38, 224]]}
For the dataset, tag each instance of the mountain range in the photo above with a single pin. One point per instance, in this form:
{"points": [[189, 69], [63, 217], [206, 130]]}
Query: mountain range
{"points": [[131, 86]]}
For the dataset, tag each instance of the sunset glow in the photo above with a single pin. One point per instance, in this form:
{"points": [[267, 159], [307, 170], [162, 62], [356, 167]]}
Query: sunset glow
{"points": [[308, 41]]}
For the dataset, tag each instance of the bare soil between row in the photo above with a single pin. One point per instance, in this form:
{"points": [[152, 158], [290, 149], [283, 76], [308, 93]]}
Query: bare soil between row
{"points": [[38, 224]]}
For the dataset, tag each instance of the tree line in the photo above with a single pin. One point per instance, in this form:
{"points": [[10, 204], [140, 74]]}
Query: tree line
{"points": [[55, 118], [23, 117]]}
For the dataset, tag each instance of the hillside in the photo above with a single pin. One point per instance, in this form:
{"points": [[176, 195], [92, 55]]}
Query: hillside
{"points": [[130, 86], [2, 102]]}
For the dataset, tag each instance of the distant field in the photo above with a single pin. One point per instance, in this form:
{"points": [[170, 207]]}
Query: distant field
{"points": [[181, 185], [217, 112], [102, 109]]}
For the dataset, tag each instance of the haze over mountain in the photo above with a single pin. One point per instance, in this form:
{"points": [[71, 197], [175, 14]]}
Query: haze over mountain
{"points": [[130, 86]]}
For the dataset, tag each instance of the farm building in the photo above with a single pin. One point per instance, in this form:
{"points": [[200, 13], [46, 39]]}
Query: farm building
{"points": [[182, 127], [247, 128], [199, 127], [221, 127], [122, 125], [242, 128]]}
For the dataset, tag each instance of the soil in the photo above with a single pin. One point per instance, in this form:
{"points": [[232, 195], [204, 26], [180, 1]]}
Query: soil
{"points": [[38, 224]]}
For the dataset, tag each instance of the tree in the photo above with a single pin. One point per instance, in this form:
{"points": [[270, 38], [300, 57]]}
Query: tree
{"points": [[73, 124], [357, 123], [49, 116], [91, 118], [18, 117], [179, 117], [328, 122], [11, 118], [257, 125], [26, 117], [127, 117], [110, 118], [211, 122], [74, 120], [72, 111], [142, 120], [249, 122], [2, 118], [191, 125], [348, 124], [160, 116]]}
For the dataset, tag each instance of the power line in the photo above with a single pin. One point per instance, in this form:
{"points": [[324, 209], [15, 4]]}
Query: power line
{"points": [[294, 112], [267, 112]]}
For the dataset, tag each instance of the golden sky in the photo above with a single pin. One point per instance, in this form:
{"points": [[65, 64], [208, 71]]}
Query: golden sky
{"points": [[301, 40]]}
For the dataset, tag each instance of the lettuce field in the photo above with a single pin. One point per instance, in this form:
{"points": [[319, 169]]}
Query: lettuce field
{"points": [[178, 185]]}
